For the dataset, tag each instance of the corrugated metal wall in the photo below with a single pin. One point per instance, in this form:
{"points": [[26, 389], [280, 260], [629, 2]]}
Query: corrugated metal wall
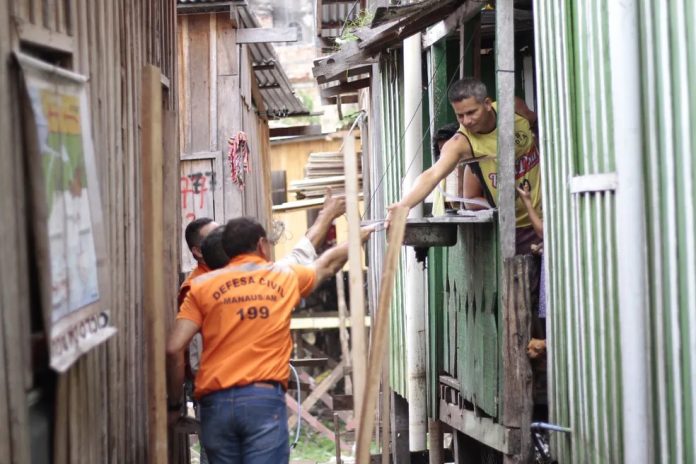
{"points": [[580, 251], [668, 42], [392, 161]]}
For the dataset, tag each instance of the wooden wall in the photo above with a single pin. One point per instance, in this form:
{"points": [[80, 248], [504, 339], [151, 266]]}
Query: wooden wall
{"points": [[101, 402], [217, 100]]}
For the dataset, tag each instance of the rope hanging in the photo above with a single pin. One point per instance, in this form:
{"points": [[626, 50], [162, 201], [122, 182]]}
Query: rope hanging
{"points": [[238, 158]]}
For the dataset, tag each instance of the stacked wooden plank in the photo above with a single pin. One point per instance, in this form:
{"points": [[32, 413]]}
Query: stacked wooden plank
{"points": [[323, 169]]}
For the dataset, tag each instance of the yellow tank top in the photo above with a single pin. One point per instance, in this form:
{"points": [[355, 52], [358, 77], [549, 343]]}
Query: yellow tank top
{"points": [[527, 167]]}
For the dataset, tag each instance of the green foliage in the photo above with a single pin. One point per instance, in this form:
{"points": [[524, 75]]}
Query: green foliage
{"points": [[363, 19], [312, 446]]}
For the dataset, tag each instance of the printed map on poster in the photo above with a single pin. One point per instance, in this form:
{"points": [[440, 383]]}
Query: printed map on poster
{"points": [[66, 211], [71, 241]]}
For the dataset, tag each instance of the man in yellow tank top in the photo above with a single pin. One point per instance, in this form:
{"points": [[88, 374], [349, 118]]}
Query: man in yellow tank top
{"points": [[478, 138]]}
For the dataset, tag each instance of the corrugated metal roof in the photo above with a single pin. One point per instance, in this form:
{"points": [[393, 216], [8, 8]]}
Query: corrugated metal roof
{"points": [[275, 88], [278, 96], [335, 15]]}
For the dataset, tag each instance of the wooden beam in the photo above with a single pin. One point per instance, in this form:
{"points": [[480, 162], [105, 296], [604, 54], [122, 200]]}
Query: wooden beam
{"points": [[505, 78], [355, 273], [380, 334], [313, 422], [266, 35], [313, 129], [350, 56], [153, 254], [344, 87], [45, 38], [482, 429], [443, 28], [317, 323], [324, 386], [355, 71], [343, 335], [408, 25], [517, 401], [345, 99]]}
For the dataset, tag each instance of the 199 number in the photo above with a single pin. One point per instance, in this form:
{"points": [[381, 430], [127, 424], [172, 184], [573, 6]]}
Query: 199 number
{"points": [[252, 312]]}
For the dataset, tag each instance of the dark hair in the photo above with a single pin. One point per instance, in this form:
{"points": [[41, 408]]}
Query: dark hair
{"points": [[241, 236], [211, 248], [467, 88], [193, 231], [443, 134]]}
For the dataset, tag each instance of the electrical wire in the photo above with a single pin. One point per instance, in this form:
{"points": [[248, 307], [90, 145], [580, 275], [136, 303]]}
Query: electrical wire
{"points": [[427, 131], [299, 408]]}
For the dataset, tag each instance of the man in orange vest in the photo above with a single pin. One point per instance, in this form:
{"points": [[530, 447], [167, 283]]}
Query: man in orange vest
{"points": [[243, 313]]}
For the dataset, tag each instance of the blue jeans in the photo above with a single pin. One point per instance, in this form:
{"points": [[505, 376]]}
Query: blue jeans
{"points": [[245, 425]]}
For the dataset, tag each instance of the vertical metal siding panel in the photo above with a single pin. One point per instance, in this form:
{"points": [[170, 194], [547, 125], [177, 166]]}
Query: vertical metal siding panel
{"points": [[685, 219], [669, 235], [391, 185], [689, 173], [602, 340], [593, 252], [565, 299], [557, 152], [578, 388], [657, 277]]}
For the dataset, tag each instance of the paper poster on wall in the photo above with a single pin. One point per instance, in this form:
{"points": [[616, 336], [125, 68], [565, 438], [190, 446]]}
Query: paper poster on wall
{"points": [[66, 210]]}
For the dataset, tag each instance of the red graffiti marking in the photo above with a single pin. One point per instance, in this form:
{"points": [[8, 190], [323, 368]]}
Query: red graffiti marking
{"points": [[193, 185]]}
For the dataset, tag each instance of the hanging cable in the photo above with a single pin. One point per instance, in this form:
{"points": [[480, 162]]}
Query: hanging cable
{"points": [[426, 132], [299, 408]]}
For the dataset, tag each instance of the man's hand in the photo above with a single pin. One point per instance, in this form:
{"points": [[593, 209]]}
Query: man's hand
{"points": [[333, 206], [366, 231]]}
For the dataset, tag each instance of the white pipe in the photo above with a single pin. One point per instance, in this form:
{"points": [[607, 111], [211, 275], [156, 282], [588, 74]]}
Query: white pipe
{"points": [[630, 228], [415, 288]]}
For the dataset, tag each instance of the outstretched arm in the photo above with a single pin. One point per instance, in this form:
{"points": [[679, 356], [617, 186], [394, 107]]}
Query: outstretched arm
{"points": [[332, 260], [333, 208], [453, 150]]}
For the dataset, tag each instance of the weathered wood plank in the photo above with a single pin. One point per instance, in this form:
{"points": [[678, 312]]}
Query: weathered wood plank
{"points": [[199, 82], [517, 403], [380, 333], [227, 50], [482, 429], [356, 292], [229, 121], [154, 294], [323, 387]]}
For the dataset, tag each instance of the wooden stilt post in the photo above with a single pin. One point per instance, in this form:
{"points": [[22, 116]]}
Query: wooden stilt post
{"points": [[342, 331], [517, 371], [386, 408], [379, 334], [435, 444], [153, 247], [357, 295], [337, 431]]}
